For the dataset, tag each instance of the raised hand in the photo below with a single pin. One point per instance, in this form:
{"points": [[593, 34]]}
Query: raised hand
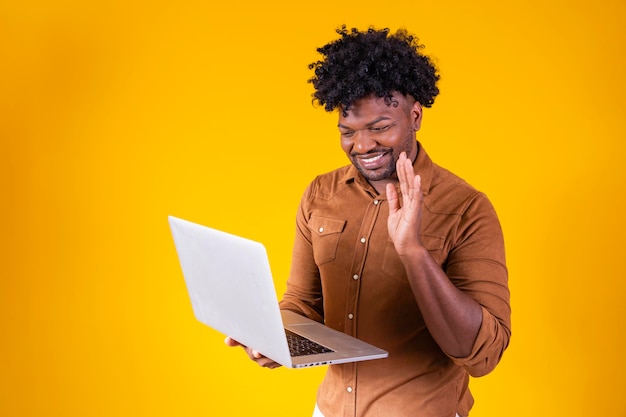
{"points": [[404, 218]]}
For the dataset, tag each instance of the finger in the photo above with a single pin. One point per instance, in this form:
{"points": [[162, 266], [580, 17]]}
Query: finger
{"points": [[268, 363], [229, 341], [273, 365], [418, 186], [392, 197], [264, 361], [415, 203], [407, 173], [410, 172], [416, 192], [401, 172]]}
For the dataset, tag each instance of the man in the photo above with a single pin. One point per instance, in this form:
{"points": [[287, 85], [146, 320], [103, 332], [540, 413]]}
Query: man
{"points": [[394, 249]]}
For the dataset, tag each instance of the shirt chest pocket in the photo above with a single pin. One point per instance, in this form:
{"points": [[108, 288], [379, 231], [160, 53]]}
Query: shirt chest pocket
{"points": [[393, 267], [325, 234]]}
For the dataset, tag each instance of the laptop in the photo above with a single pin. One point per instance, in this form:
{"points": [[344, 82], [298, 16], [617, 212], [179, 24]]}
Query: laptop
{"points": [[231, 289]]}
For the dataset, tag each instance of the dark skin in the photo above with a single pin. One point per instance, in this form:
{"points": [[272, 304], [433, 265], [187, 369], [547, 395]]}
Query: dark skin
{"points": [[378, 136], [453, 318]]}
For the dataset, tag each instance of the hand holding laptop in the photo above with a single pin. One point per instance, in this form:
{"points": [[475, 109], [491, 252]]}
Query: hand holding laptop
{"points": [[231, 289], [253, 354]]}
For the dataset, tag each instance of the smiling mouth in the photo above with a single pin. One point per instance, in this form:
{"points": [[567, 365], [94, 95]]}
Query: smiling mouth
{"points": [[371, 159]]}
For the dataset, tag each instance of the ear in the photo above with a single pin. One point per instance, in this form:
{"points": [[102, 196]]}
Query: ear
{"points": [[416, 115]]}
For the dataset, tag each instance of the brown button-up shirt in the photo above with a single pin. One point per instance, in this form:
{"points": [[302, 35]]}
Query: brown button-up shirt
{"points": [[346, 273]]}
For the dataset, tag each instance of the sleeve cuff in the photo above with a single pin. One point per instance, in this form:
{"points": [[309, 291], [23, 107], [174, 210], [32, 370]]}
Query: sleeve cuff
{"points": [[490, 343]]}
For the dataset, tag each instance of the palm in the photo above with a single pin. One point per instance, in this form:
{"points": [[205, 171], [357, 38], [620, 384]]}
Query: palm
{"points": [[404, 218]]}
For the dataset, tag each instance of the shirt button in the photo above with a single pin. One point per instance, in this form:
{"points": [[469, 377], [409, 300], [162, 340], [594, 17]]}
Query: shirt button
{"points": [[321, 230], [355, 277], [350, 316], [376, 202], [349, 389], [362, 240]]}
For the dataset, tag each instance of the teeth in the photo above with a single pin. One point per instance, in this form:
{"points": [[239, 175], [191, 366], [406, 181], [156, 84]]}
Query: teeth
{"points": [[370, 160]]}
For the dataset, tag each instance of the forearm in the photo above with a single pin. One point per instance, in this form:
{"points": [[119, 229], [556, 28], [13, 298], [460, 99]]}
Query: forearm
{"points": [[304, 291], [453, 318]]}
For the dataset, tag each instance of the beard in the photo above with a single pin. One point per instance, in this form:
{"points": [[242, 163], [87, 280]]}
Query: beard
{"points": [[382, 173], [389, 170]]}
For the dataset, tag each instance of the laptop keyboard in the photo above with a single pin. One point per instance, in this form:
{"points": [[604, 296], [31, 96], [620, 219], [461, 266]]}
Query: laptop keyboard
{"points": [[301, 346]]}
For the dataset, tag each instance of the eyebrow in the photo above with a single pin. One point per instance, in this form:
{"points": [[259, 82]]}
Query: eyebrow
{"points": [[369, 124]]}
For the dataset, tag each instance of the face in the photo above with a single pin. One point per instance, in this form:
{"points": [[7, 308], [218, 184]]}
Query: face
{"points": [[374, 131]]}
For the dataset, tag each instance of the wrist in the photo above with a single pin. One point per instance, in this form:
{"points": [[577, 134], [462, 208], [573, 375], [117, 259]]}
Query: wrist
{"points": [[412, 251]]}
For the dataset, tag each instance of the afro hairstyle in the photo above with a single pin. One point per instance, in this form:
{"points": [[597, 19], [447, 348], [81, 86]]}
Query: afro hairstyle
{"points": [[372, 62]]}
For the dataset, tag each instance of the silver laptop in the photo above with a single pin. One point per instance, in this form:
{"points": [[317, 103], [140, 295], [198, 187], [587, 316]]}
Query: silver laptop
{"points": [[231, 289]]}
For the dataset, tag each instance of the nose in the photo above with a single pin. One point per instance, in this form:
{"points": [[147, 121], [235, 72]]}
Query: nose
{"points": [[363, 142]]}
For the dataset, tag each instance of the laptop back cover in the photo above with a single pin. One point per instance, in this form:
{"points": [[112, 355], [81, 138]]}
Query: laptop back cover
{"points": [[230, 286]]}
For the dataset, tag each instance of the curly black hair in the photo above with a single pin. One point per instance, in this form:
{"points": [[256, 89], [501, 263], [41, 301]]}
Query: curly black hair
{"points": [[360, 64]]}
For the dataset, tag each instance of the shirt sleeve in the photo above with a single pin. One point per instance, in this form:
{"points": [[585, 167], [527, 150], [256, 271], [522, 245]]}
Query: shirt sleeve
{"points": [[490, 344], [304, 289], [476, 265]]}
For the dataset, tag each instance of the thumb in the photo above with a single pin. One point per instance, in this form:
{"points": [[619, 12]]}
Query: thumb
{"points": [[231, 342]]}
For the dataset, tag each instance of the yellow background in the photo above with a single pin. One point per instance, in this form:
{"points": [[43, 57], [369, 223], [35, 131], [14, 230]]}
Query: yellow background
{"points": [[114, 114]]}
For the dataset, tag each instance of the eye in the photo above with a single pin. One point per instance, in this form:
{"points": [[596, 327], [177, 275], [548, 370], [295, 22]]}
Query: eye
{"points": [[379, 128], [347, 133]]}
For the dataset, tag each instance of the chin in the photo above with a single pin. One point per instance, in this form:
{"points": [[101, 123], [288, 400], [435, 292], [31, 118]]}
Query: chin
{"points": [[378, 175]]}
